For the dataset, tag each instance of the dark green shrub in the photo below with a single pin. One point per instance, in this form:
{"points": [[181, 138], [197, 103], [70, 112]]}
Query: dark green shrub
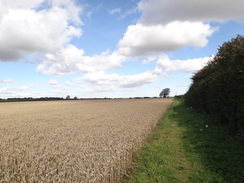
{"points": [[218, 88]]}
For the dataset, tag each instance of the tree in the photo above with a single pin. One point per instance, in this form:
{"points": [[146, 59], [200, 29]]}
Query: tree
{"points": [[164, 93], [68, 97]]}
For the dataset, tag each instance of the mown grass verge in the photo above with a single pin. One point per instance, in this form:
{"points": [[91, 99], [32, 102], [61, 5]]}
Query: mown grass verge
{"points": [[188, 147]]}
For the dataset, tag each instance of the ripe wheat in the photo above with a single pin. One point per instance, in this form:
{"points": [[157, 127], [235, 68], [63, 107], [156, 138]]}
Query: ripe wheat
{"points": [[74, 141]]}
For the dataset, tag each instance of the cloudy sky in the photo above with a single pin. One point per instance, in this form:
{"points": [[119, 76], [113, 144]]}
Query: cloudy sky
{"points": [[110, 48]]}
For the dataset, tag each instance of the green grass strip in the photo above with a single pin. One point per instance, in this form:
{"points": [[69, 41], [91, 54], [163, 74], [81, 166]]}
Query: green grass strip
{"points": [[188, 147]]}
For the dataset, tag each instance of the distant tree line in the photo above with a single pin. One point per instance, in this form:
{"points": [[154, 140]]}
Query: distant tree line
{"points": [[218, 88], [61, 98], [31, 99]]}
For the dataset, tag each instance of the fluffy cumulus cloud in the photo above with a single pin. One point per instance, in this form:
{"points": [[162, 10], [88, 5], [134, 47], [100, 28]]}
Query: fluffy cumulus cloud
{"points": [[25, 27], [168, 25], [190, 65], [72, 59], [142, 40], [165, 11], [109, 82]]}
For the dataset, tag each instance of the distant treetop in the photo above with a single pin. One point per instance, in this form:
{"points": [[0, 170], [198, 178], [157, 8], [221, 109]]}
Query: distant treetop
{"points": [[164, 93]]}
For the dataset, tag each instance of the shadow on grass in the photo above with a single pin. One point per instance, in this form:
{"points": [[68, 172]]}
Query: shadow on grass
{"points": [[208, 145]]}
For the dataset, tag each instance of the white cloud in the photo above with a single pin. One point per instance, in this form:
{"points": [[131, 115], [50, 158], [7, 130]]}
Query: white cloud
{"points": [[165, 11], [58, 88], [12, 91], [53, 82], [128, 12], [71, 59], [73, 11], [27, 31], [190, 65], [149, 59], [21, 3], [141, 40], [98, 89], [21, 88], [4, 90], [113, 81], [9, 93], [6, 81], [68, 83], [138, 80], [94, 10], [116, 10]]}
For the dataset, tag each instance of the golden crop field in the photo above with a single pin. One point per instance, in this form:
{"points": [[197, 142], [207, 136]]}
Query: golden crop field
{"points": [[74, 141]]}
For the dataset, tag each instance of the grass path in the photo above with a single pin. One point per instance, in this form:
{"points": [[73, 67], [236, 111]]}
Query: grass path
{"points": [[187, 147]]}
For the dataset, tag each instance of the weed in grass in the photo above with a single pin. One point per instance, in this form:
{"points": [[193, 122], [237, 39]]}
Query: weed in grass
{"points": [[220, 156]]}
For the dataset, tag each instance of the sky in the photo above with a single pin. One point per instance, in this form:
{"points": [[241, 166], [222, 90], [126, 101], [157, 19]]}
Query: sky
{"points": [[110, 48]]}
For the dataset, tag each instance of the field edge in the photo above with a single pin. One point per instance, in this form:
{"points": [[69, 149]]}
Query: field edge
{"points": [[188, 147]]}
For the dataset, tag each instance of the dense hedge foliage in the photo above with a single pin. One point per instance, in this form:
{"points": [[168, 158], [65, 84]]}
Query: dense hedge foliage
{"points": [[218, 88]]}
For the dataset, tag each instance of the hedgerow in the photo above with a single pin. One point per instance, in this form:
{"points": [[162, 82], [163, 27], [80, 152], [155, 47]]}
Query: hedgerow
{"points": [[218, 88]]}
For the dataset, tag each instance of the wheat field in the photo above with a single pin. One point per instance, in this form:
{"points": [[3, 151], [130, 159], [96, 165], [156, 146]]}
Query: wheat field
{"points": [[74, 141]]}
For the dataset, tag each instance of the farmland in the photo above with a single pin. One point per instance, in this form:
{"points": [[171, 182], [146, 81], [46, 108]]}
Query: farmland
{"points": [[74, 141]]}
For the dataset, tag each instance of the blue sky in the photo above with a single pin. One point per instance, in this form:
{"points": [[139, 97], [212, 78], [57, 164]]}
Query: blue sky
{"points": [[110, 48]]}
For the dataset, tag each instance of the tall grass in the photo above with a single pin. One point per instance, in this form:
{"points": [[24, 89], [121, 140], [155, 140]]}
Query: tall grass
{"points": [[188, 147]]}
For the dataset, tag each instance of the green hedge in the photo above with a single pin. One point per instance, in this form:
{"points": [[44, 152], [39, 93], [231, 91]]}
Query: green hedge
{"points": [[218, 88]]}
